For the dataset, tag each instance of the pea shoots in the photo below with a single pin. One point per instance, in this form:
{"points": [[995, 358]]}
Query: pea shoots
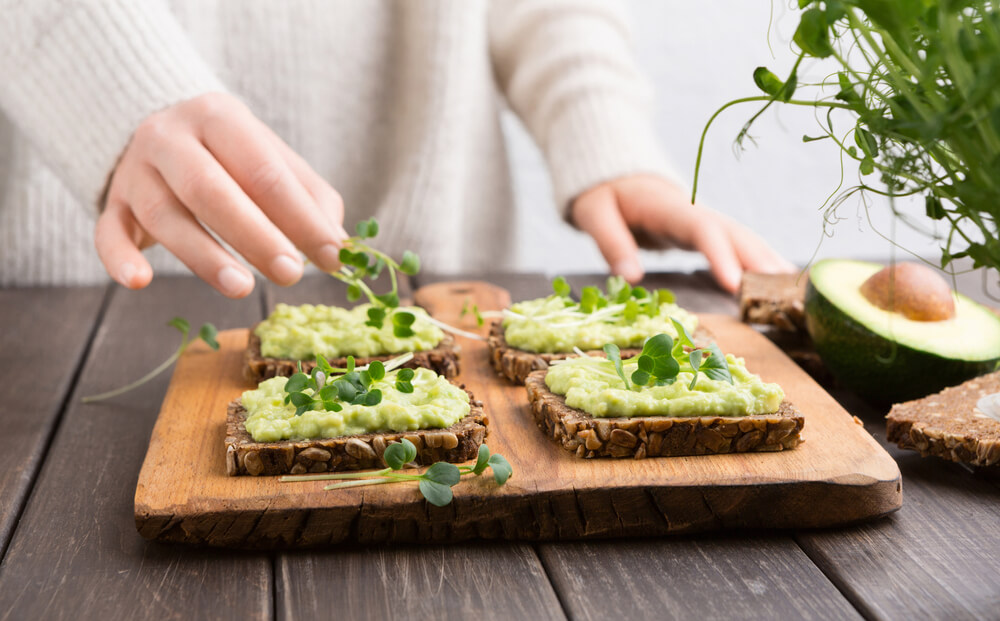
{"points": [[434, 484]]}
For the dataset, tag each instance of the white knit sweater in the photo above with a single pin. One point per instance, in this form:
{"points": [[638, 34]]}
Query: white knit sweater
{"points": [[395, 102]]}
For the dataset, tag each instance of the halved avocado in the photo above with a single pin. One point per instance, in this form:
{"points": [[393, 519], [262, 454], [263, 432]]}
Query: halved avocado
{"points": [[884, 355]]}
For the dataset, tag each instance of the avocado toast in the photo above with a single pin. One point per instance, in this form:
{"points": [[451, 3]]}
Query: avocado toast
{"points": [[535, 333], [344, 418], [670, 400]]}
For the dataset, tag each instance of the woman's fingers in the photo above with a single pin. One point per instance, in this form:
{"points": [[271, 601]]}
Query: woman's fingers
{"points": [[165, 219], [329, 200], [597, 212], [713, 240], [755, 254], [245, 149], [116, 238], [205, 188]]}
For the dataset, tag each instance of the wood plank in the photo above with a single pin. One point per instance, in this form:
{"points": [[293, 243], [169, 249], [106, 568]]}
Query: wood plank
{"points": [[45, 333], [552, 495], [467, 581], [934, 558], [709, 577], [75, 553], [461, 582]]}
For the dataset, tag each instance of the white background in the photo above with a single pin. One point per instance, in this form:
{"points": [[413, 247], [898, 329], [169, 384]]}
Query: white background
{"points": [[699, 55]]}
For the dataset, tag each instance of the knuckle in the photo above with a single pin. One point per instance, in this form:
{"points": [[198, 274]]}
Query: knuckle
{"points": [[265, 179], [152, 132], [152, 211], [199, 185]]}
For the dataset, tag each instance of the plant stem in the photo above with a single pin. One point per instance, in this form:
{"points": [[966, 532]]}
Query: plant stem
{"points": [[142, 380]]}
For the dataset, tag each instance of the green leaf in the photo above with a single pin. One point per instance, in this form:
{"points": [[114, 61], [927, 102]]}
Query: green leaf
{"points": [[867, 166], [682, 333], [560, 287], [376, 316], [353, 293], [640, 378], [397, 454], [813, 138], [404, 387], [376, 370], [302, 409], [180, 324], [374, 397], [405, 374], [444, 473], [659, 348], [618, 289], [631, 311], [716, 366], [350, 364], [207, 333], [864, 139], [332, 406], [390, 299], [403, 332], [665, 296], [767, 81], [329, 392], [590, 297], [935, 210], [296, 382], [812, 35], [403, 318], [345, 390], [501, 468], [437, 494], [367, 228], [300, 399], [410, 264], [614, 355], [482, 459]]}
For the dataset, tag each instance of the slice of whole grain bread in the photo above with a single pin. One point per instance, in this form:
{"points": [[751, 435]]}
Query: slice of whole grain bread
{"points": [[948, 424], [244, 455], [659, 436], [516, 364], [443, 359], [774, 299]]}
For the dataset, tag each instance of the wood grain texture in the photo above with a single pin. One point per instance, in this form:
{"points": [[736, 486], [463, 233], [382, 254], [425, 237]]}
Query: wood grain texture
{"points": [[185, 495], [460, 582], [75, 553], [935, 558], [45, 332], [712, 577]]}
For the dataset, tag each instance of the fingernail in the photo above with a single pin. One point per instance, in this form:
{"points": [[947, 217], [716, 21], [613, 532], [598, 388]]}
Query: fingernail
{"points": [[328, 258], [286, 270], [125, 274], [234, 282], [629, 269]]}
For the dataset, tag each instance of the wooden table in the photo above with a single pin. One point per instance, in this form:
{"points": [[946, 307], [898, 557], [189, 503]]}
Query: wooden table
{"points": [[70, 550]]}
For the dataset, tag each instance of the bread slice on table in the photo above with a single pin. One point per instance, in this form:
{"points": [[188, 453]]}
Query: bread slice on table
{"points": [[774, 299], [516, 364], [443, 359], [949, 425], [659, 436], [244, 455]]}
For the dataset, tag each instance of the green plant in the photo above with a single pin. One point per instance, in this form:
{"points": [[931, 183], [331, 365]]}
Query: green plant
{"points": [[918, 80], [206, 333], [328, 388], [435, 483]]}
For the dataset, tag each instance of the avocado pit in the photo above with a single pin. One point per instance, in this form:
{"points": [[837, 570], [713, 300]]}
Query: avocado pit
{"points": [[915, 291]]}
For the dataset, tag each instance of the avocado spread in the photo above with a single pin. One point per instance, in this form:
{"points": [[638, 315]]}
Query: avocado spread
{"points": [[435, 403], [540, 326], [306, 331], [595, 388]]}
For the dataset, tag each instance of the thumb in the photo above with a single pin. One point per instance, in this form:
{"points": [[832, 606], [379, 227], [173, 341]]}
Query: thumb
{"points": [[596, 212]]}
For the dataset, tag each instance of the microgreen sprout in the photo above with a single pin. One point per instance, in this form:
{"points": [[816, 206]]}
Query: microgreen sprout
{"points": [[328, 388], [206, 332], [468, 307], [620, 302], [659, 363], [359, 261], [435, 483]]}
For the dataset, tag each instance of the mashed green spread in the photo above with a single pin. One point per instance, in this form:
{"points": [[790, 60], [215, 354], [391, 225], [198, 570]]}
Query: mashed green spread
{"points": [[435, 403], [596, 389], [306, 331], [532, 327]]}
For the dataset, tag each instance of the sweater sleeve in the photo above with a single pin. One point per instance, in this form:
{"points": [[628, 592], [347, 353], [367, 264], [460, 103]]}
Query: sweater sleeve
{"points": [[566, 68], [80, 76]]}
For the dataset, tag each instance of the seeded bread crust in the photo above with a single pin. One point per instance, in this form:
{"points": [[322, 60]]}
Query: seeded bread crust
{"points": [[443, 359], [949, 425], [456, 444], [659, 436], [516, 364], [774, 299]]}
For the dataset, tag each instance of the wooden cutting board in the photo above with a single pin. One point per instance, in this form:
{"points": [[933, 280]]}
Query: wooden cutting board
{"points": [[839, 475]]}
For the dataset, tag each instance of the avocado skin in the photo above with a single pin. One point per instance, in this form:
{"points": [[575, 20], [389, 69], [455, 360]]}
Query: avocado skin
{"points": [[852, 353]]}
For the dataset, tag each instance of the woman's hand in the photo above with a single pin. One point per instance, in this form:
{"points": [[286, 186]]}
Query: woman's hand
{"points": [[207, 164], [648, 205]]}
